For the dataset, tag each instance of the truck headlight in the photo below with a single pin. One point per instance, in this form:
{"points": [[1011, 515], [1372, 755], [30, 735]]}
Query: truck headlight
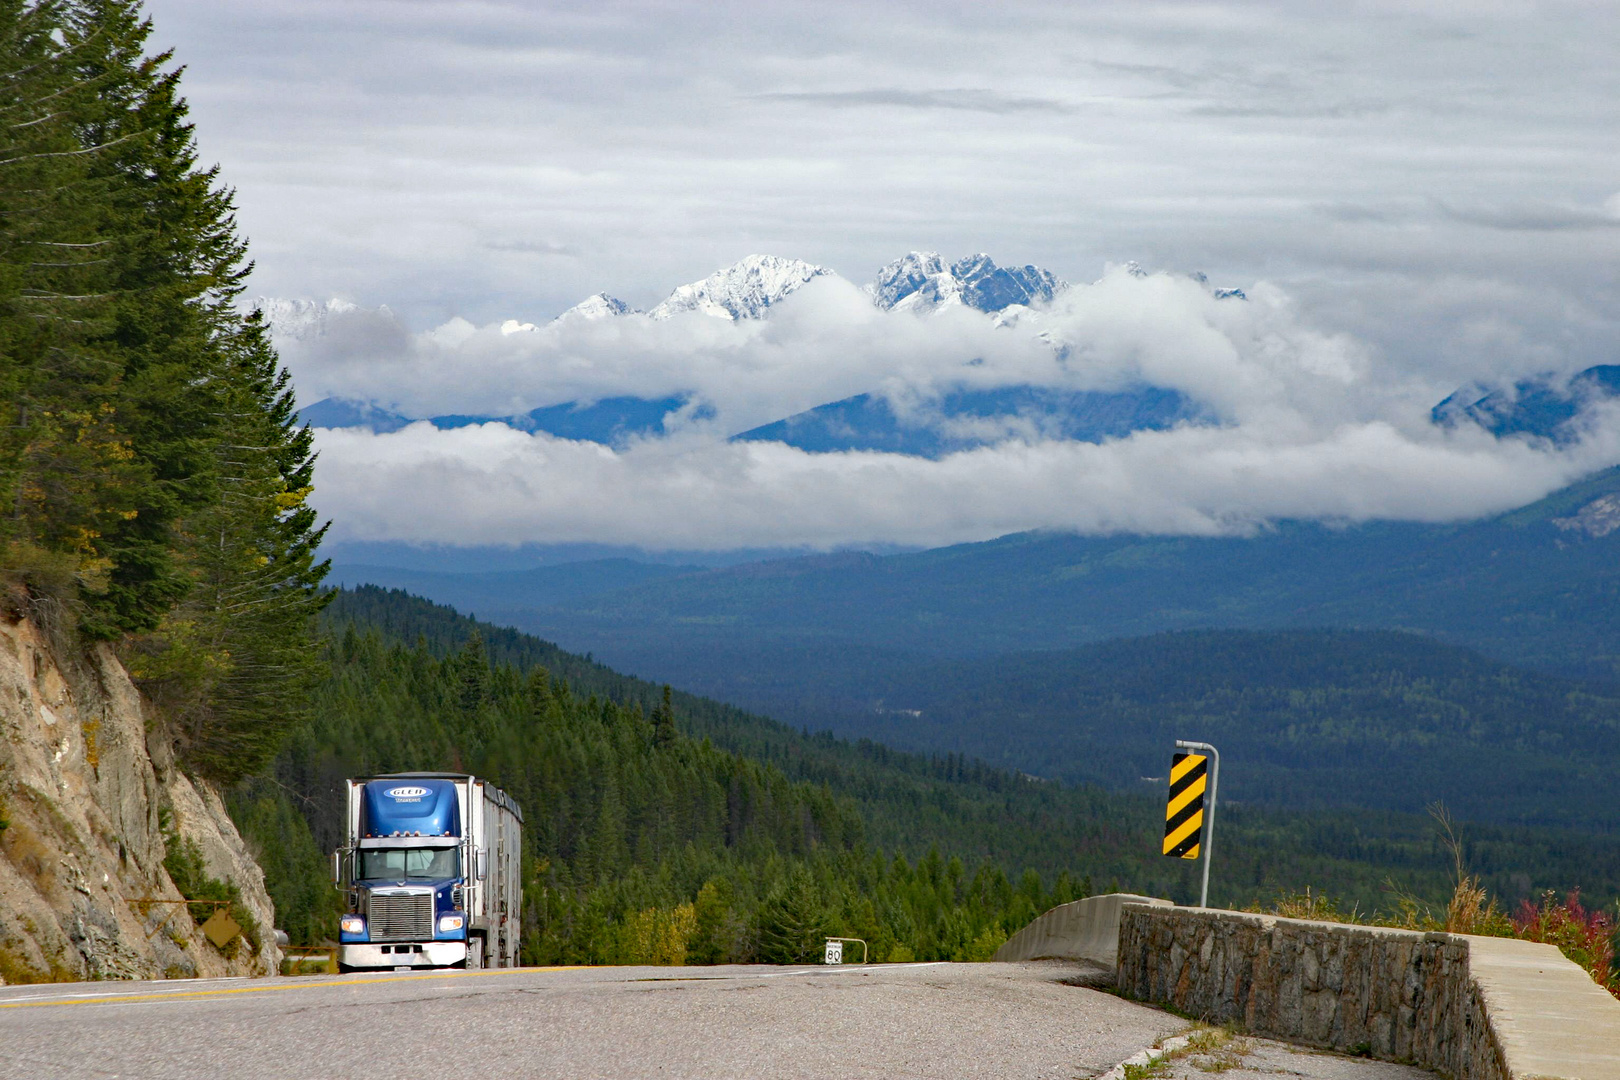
{"points": [[352, 924], [448, 923]]}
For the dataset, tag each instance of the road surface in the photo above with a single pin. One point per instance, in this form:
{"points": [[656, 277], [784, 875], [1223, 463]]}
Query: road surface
{"points": [[902, 1020], [1262, 1059]]}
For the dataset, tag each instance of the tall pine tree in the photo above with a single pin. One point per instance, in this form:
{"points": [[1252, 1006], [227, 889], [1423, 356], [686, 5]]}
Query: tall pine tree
{"points": [[154, 476]]}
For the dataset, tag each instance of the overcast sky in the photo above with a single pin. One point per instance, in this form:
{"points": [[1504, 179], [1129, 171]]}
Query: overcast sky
{"points": [[1444, 178], [1438, 185]]}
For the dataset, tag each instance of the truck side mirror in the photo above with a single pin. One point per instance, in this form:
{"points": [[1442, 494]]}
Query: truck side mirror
{"points": [[337, 869], [483, 863]]}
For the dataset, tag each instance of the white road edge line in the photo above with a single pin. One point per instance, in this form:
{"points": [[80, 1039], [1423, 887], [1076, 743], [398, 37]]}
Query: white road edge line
{"points": [[180, 986], [828, 969], [1146, 1057]]}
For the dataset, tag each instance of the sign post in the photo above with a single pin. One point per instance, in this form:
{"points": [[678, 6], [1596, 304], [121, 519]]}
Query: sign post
{"points": [[1185, 822], [835, 949]]}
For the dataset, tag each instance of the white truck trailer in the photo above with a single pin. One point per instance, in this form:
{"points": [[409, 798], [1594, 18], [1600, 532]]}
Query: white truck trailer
{"points": [[431, 872]]}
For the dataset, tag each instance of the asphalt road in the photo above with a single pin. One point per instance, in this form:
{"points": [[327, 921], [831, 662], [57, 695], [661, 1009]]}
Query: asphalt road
{"points": [[902, 1020]]}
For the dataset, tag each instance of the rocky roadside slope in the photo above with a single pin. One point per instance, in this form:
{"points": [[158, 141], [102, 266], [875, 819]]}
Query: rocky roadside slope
{"points": [[91, 801]]}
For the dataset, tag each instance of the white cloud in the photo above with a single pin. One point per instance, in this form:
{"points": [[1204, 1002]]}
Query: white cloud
{"points": [[1312, 425], [827, 341], [494, 485]]}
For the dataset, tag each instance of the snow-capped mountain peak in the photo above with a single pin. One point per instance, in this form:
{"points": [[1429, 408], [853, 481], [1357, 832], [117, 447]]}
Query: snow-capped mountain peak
{"points": [[743, 290], [918, 279], [922, 281], [989, 287], [598, 306], [290, 320]]}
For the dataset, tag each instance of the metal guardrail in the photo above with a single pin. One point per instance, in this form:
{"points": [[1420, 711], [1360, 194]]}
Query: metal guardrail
{"points": [[299, 955]]}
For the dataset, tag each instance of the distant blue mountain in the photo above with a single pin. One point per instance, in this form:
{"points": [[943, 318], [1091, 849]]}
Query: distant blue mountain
{"points": [[1541, 407], [966, 418], [344, 413], [609, 421], [541, 586]]}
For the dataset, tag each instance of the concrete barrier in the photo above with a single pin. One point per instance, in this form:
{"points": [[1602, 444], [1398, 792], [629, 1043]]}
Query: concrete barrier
{"points": [[1472, 1008], [1547, 1015], [1084, 930]]}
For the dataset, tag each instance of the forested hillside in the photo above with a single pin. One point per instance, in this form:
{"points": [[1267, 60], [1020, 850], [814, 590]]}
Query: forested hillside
{"points": [[152, 473], [1539, 587], [692, 817], [1306, 718]]}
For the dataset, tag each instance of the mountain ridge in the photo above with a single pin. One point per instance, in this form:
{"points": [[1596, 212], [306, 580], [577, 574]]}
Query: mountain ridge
{"points": [[1539, 586], [940, 420], [743, 290]]}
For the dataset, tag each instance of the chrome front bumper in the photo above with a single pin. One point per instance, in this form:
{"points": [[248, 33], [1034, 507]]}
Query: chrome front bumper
{"points": [[419, 954]]}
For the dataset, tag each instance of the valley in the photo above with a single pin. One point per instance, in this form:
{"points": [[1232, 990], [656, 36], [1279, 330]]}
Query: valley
{"points": [[930, 851], [1538, 588]]}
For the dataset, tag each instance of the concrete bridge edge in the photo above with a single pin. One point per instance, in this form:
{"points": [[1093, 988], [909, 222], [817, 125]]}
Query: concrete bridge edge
{"points": [[1082, 930]]}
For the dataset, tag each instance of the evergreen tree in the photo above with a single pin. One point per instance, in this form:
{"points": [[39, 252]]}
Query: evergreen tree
{"points": [[792, 922], [244, 629], [472, 669], [67, 472], [663, 720], [153, 477]]}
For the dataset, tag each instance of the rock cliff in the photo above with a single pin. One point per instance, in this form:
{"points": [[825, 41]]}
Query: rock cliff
{"points": [[91, 803]]}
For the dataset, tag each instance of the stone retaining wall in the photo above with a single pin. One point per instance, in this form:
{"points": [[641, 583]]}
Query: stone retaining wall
{"points": [[1471, 1008], [1397, 994]]}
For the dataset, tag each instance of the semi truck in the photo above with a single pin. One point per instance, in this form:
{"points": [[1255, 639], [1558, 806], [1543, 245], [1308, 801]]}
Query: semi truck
{"points": [[430, 872]]}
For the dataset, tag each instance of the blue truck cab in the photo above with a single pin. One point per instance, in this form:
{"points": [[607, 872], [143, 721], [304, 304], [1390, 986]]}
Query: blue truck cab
{"points": [[430, 873]]}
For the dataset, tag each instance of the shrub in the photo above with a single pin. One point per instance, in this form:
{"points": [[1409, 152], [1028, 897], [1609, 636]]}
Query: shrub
{"points": [[184, 862], [655, 936]]}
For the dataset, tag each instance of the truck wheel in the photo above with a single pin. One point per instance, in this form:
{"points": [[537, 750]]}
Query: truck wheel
{"points": [[475, 952]]}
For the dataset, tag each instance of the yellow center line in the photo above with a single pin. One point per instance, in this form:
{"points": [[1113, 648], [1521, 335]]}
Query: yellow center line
{"points": [[291, 984]]}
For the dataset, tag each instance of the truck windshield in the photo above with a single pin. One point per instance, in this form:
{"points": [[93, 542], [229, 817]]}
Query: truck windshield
{"points": [[409, 864]]}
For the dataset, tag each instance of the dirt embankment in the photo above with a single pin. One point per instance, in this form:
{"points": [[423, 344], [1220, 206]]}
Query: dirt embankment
{"points": [[91, 802]]}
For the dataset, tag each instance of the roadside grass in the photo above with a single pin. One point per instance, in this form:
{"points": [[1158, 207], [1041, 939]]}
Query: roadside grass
{"points": [[1586, 937], [1206, 1048]]}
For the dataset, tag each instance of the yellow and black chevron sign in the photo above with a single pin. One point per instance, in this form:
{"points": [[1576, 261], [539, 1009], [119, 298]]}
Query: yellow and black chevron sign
{"points": [[1184, 816]]}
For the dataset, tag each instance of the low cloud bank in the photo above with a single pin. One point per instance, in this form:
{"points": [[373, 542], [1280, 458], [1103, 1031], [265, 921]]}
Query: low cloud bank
{"points": [[491, 484], [1308, 425], [827, 341]]}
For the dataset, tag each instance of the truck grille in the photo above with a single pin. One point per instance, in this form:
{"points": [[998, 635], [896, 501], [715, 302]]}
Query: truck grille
{"points": [[400, 918]]}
